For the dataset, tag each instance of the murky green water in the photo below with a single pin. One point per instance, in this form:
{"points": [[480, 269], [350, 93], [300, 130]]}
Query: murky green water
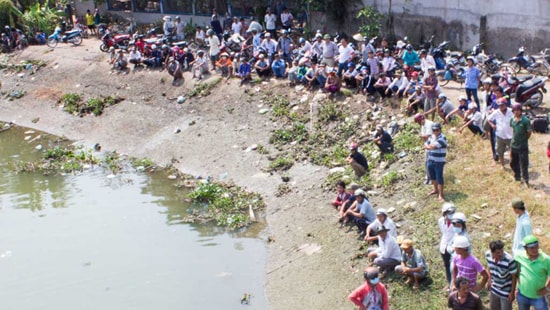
{"points": [[92, 242]]}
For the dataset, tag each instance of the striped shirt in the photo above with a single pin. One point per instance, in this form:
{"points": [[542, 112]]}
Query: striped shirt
{"points": [[501, 273], [438, 154]]}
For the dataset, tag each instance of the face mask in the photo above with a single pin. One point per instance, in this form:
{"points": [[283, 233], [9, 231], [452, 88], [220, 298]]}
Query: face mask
{"points": [[374, 281], [457, 229], [450, 216]]}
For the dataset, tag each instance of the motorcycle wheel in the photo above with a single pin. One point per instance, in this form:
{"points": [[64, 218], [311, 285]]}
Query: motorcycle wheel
{"points": [[516, 67], [76, 40], [104, 48], [441, 81], [124, 44], [543, 70], [52, 42], [536, 99], [508, 68]]}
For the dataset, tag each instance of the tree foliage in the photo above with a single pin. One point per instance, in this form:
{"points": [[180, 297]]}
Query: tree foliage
{"points": [[9, 14], [371, 21]]}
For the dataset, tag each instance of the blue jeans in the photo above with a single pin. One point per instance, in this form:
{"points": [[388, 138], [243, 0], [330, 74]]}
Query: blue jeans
{"points": [[472, 92], [525, 303], [342, 66]]}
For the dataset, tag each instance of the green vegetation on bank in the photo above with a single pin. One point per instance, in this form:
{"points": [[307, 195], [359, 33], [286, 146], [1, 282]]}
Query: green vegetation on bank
{"points": [[74, 104]]}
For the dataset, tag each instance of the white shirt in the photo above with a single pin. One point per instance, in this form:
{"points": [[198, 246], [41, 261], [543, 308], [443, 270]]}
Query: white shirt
{"points": [[427, 62], [502, 120], [388, 248], [199, 35], [387, 63], [447, 233], [476, 119], [179, 29], [388, 223], [345, 53], [214, 43], [426, 129], [270, 20], [134, 55], [236, 27], [286, 17], [270, 46], [305, 48]]}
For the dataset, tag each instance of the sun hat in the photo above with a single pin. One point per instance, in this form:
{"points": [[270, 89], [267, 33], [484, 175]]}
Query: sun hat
{"points": [[459, 217], [224, 54], [472, 106], [501, 101], [166, 18], [414, 74], [326, 36], [380, 229], [461, 242], [487, 81], [462, 98]]}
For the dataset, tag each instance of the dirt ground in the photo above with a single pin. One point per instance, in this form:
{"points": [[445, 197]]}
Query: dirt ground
{"points": [[308, 263]]}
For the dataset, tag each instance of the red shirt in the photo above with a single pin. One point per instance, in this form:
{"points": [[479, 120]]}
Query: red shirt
{"points": [[364, 295]]}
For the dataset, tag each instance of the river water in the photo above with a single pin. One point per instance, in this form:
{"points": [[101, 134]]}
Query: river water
{"points": [[94, 241]]}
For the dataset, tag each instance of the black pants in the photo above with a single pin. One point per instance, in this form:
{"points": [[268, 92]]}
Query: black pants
{"points": [[493, 138], [520, 163], [475, 129], [447, 263], [385, 147]]}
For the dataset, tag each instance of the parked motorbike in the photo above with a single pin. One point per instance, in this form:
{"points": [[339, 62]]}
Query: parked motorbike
{"points": [[522, 61], [453, 72], [439, 55], [73, 36], [116, 41], [531, 92], [488, 64]]}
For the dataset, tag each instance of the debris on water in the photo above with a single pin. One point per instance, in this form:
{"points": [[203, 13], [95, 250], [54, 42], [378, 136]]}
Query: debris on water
{"points": [[38, 147], [172, 177], [251, 214], [245, 300]]}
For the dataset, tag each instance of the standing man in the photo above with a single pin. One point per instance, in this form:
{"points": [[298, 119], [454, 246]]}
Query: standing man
{"points": [[436, 147], [357, 161], [429, 86], [372, 294], [534, 276], [523, 225], [330, 50], [521, 132], [502, 276], [471, 82], [90, 22], [270, 20], [344, 56], [467, 265], [284, 45], [500, 121], [447, 235], [178, 29], [214, 44], [97, 19]]}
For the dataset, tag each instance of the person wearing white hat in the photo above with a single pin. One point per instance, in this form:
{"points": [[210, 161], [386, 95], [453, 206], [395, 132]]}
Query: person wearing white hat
{"points": [[226, 65], [447, 235], [467, 265], [382, 219], [214, 44], [443, 107], [178, 29], [388, 254], [463, 105], [472, 120], [167, 26]]}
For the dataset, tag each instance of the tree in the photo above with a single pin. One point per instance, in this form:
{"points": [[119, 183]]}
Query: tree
{"points": [[371, 21]]}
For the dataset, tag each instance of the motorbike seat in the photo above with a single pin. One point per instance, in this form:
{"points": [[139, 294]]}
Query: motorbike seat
{"points": [[527, 85], [72, 32], [180, 44], [521, 79], [456, 54], [151, 41]]}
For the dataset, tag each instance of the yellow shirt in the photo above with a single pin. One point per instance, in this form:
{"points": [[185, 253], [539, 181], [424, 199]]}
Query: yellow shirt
{"points": [[89, 19]]}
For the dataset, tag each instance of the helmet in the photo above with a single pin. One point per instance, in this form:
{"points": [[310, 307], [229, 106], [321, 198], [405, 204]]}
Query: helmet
{"points": [[423, 51], [472, 106], [459, 217], [200, 52], [447, 207], [165, 46], [359, 192], [461, 242], [386, 50], [302, 40], [414, 74], [351, 65], [436, 126], [530, 239], [418, 117], [381, 211], [112, 48], [471, 58], [364, 68], [409, 47], [487, 81], [462, 98], [353, 146], [178, 18], [517, 106], [441, 96], [154, 46], [210, 32]]}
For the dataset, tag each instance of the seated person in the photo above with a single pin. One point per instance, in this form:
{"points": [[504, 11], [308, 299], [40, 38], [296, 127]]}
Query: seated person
{"points": [[311, 75], [332, 85], [357, 161], [473, 120], [413, 265], [120, 62], [443, 107], [349, 76], [278, 66], [302, 70], [226, 65], [387, 255], [383, 140], [460, 110], [414, 81], [382, 84], [245, 70], [382, 219], [341, 194], [415, 100], [175, 70], [397, 86], [292, 73], [200, 37], [361, 213], [365, 82], [348, 202], [156, 55], [200, 64], [320, 74], [262, 67], [186, 58], [134, 57]]}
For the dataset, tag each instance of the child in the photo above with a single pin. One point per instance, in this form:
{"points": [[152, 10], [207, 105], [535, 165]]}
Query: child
{"points": [[341, 194]]}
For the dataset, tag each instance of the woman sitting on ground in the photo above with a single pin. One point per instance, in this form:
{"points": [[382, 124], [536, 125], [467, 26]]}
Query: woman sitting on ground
{"points": [[332, 84]]}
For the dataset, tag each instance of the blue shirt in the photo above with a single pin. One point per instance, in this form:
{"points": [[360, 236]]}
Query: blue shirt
{"points": [[244, 69], [366, 209], [523, 229], [472, 77]]}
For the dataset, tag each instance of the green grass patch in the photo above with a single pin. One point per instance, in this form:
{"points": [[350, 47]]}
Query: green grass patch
{"points": [[74, 104], [281, 163], [203, 89], [330, 112], [60, 159]]}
